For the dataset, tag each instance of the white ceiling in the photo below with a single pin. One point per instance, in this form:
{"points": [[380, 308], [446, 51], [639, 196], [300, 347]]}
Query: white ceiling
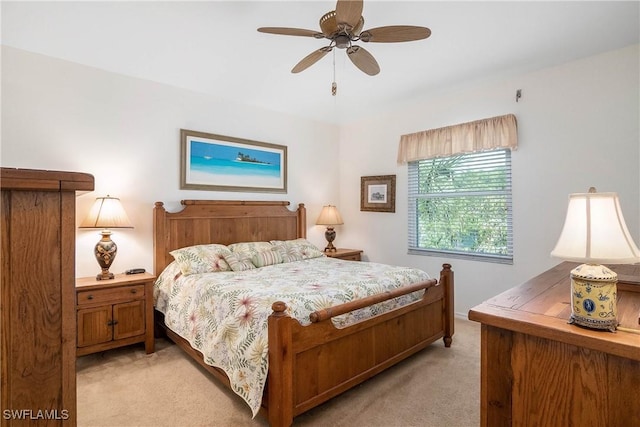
{"points": [[213, 47]]}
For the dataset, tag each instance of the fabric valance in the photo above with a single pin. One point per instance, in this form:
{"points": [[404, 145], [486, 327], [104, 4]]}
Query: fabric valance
{"points": [[479, 135]]}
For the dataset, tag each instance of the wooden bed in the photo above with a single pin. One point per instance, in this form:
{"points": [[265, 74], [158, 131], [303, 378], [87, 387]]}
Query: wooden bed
{"points": [[307, 365]]}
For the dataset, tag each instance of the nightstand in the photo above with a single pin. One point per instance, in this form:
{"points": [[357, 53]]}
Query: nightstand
{"points": [[114, 313], [346, 254]]}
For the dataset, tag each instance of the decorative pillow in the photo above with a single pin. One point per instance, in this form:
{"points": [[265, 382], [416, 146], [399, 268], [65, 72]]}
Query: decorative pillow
{"points": [[201, 259], [239, 261], [264, 258], [306, 248], [249, 248], [288, 253]]}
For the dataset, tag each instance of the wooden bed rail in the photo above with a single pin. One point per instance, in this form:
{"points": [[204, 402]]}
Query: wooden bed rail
{"points": [[327, 313]]}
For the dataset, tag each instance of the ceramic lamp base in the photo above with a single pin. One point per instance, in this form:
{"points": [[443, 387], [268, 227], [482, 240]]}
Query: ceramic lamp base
{"points": [[105, 252], [330, 235], [594, 297]]}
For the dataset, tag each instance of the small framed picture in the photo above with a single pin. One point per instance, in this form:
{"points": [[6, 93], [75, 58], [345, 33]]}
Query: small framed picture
{"points": [[378, 193]]}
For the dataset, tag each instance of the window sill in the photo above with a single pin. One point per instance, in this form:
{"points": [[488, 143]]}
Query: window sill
{"points": [[457, 255]]}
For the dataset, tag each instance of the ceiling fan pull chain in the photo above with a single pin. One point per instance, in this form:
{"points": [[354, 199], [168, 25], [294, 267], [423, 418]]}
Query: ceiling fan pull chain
{"points": [[334, 85]]}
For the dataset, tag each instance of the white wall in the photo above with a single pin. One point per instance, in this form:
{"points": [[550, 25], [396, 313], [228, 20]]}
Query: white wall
{"points": [[59, 115], [578, 126]]}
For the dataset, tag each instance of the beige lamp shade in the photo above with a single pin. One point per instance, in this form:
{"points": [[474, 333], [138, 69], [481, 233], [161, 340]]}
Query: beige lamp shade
{"points": [[329, 216], [106, 212], [595, 232]]}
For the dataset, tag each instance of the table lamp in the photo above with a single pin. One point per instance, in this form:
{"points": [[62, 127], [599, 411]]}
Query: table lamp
{"points": [[594, 232], [106, 212], [329, 216]]}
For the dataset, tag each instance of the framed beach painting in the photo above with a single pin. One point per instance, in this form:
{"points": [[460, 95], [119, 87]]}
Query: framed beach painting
{"points": [[223, 163], [378, 193]]}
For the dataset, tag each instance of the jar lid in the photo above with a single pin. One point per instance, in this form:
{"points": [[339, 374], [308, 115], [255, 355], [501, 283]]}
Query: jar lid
{"points": [[594, 272]]}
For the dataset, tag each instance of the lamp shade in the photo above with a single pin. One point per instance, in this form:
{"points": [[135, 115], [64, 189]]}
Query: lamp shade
{"points": [[595, 232], [106, 212], [329, 216]]}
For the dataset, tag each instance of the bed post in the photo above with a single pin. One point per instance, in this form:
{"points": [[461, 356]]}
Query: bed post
{"points": [[158, 233], [280, 379], [302, 220], [446, 279]]}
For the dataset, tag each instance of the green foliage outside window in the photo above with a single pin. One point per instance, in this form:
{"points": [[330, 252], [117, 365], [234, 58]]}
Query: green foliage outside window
{"points": [[462, 204]]}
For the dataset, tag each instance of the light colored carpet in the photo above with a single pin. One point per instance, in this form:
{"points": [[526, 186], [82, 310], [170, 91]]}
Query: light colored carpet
{"points": [[437, 387]]}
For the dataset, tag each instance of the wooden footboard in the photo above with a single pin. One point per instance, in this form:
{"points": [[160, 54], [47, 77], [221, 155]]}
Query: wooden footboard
{"points": [[309, 365]]}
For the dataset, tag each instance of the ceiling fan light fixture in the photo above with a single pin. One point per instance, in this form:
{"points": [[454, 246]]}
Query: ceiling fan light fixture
{"points": [[328, 23], [330, 26]]}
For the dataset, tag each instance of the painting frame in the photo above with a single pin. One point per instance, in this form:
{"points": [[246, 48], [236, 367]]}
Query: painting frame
{"points": [[378, 193], [209, 162]]}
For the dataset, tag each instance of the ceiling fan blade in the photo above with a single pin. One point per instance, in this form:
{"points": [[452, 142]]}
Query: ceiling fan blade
{"points": [[395, 33], [311, 59], [363, 60], [349, 12], [291, 32]]}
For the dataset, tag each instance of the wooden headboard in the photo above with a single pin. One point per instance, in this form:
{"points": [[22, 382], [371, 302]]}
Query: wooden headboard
{"points": [[224, 222]]}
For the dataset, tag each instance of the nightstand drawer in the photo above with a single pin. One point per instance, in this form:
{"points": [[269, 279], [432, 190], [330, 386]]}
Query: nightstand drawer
{"points": [[346, 254], [354, 257], [111, 295]]}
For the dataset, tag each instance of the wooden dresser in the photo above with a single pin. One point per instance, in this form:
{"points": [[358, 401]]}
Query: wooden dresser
{"points": [[37, 305], [538, 370]]}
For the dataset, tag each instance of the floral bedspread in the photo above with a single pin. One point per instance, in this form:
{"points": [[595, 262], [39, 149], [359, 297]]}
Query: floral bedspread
{"points": [[224, 314]]}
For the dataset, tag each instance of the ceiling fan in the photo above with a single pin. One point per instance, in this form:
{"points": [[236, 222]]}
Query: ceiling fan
{"points": [[343, 27]]}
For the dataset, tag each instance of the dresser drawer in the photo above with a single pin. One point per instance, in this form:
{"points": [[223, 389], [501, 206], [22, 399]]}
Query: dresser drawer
{"points": [[111, 295]]}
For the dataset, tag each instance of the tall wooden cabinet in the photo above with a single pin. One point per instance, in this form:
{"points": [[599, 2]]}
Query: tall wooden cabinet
{"points": [[37, 296]]}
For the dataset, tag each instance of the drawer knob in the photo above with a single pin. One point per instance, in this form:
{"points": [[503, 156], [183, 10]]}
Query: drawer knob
{"points": [[134, 291], [90, 296]]}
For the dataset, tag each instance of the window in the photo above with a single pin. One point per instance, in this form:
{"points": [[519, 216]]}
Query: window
{"points": [[461, 206]]}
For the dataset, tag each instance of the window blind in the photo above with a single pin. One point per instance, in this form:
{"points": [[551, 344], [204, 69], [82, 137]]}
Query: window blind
{"points": [[462, 205]]}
